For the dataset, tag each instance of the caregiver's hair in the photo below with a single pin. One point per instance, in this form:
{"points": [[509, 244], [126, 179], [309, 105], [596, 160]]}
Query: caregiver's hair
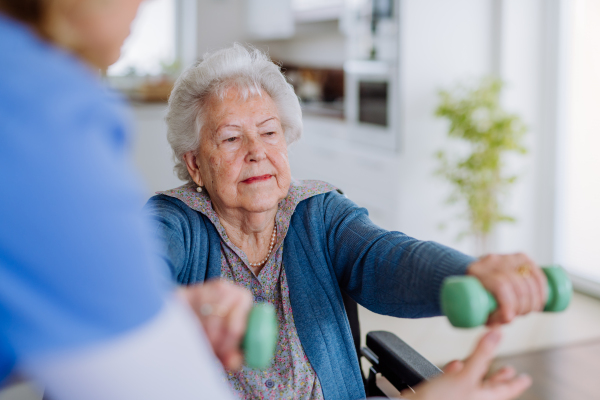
{"points": [[28, 11], [248, 70]]}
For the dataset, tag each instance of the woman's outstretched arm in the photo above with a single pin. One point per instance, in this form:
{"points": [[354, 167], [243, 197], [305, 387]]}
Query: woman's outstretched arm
{"points": [[394, 274], [387, 272]]}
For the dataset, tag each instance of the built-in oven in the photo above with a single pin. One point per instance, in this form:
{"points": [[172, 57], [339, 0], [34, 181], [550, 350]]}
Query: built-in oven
{"points": [[371, 103]]}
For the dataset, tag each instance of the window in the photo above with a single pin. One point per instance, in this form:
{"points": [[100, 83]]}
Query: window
{"points": [[579, 211], [151, 46]]}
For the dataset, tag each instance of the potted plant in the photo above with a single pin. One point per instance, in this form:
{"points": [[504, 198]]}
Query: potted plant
{"points": [[477, 118]]}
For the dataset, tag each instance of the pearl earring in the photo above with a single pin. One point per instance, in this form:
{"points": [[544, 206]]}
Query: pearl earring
{"points": [[199, 189]]}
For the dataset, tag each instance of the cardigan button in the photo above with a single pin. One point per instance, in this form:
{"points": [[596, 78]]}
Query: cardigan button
{"points": [[259, 299], [269, 383]]}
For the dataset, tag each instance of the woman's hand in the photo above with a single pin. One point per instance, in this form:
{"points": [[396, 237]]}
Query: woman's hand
{"points": [[222, 308], [516, 282], [466, 380]]}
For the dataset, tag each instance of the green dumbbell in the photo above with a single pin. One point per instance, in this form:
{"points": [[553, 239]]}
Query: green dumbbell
{"points": [[467, 304], [260, 339]]}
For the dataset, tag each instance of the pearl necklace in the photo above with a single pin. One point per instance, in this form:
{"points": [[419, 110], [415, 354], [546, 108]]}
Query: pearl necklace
{"points": [[273, 235]]}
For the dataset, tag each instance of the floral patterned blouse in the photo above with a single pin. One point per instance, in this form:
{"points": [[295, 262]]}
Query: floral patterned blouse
{"points": [[290, 375]]}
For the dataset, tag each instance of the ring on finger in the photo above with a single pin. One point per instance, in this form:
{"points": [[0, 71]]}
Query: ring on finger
{"points": [[524, 270], [207, 310]]}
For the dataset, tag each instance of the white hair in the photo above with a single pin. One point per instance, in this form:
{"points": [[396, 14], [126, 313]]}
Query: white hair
{"points": [[248, 70]]}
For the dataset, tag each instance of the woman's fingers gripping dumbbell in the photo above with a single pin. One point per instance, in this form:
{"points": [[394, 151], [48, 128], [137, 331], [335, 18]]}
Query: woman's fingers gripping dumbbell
{"points": [[516, 282], [223, 310]]}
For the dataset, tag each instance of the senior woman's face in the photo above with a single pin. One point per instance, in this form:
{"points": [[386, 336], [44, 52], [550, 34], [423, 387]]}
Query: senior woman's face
{"points": [[242, 159]]}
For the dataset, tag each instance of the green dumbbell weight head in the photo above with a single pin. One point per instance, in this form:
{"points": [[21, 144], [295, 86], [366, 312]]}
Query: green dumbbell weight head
{"points": [[560, 289], [260, 339], [465, 301], [467, 304]]}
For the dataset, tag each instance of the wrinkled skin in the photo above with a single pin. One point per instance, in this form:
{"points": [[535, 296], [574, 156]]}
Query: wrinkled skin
{"points": [[242, 163], [515, 294]]}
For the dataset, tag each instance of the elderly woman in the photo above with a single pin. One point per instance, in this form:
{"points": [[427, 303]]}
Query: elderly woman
{"points": [[295, 244]]}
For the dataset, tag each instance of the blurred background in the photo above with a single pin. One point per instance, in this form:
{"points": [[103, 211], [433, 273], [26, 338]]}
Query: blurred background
{"points": [[368, 73]]}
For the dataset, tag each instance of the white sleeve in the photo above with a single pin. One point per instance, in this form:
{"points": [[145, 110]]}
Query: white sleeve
{"points": [[167, 358]]}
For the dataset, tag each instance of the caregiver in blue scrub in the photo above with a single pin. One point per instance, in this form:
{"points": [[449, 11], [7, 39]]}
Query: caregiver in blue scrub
{"points": [[84, 308]]}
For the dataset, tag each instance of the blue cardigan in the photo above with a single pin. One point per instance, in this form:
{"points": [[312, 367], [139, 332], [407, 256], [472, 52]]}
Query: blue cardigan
{"points": [[331, 245]]}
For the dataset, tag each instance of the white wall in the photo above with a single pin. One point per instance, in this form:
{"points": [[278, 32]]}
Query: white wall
{"points": [[442, 42], [220, 23], [522, 67], [447, 41], [152, 153]]}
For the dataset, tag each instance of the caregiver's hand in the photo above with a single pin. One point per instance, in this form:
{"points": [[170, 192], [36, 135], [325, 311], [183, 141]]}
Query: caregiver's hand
{"points": [[516, 282], [223, 309], [466, 380]]}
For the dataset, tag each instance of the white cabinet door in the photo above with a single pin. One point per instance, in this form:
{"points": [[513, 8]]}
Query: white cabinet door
{"points": [[269, 19]]}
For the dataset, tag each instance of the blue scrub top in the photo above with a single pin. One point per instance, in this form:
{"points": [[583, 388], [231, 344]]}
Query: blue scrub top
{"points": [[75, 253]]}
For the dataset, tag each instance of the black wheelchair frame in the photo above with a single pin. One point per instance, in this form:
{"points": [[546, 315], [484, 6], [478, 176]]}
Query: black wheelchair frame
{"points": [[389, 357]]}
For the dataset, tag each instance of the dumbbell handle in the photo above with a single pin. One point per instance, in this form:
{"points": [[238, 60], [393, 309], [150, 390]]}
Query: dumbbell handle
{"points": [[260, 340], [467, 304]]}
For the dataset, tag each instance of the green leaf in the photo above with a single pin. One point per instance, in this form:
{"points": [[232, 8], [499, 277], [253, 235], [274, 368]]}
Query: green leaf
{"points": [[476, 117]]}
